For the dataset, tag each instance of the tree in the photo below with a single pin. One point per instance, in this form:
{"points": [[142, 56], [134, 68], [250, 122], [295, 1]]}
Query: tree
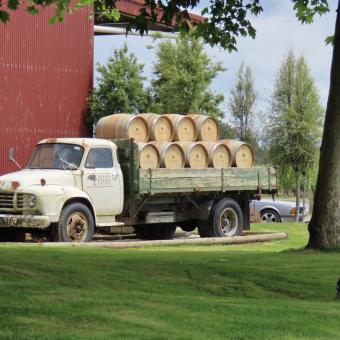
{"points": [[296, 118], [227, 131], [183, 73], [120, 87], [242, 101], [254, 137], [324, 227]]}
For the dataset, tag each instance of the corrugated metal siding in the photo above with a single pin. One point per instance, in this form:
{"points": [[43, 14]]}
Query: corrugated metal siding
{"points": [[46, 72]]}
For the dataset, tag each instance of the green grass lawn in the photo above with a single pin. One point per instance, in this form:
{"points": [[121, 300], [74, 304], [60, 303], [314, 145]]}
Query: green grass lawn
{"points": [[257, 291]]}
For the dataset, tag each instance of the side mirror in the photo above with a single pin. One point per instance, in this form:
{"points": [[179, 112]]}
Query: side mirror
{"points": [[11, 157], [11, 154]]}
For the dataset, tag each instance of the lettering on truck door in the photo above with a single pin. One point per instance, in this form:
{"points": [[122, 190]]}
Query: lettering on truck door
{"points": [[102, 181]]}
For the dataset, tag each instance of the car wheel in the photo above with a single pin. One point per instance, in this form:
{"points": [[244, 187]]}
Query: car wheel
{"points": [[270, 216]]}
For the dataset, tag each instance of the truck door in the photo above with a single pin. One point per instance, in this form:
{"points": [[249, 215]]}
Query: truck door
{"points": [[102, 181]]}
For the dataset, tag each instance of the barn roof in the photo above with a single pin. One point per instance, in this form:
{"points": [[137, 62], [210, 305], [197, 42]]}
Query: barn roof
{"points": [[130, 9]]}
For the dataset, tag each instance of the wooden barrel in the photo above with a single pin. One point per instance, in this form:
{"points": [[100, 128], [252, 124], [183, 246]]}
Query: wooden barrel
{"points": [[196, 155], [149, 157], [208, 128], [172, 155], [160, 127], [184, 127], [219, 155], [242, 153], [124, 126]]}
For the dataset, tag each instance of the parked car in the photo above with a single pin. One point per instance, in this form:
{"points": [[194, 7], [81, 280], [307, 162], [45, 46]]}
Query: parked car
{"points": [[269, 211]]}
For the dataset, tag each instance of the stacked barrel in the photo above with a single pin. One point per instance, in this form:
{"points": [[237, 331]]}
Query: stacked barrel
{"points": [[175, 141]]}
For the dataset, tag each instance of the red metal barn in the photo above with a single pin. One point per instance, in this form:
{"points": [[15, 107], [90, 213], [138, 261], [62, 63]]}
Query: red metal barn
{"points": [[45, 75]]}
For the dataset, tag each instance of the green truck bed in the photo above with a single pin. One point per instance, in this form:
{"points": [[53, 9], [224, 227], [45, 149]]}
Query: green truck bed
{"points": [[166, 181], [141, 182]]}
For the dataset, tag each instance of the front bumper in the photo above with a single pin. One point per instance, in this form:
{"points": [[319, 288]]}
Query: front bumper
{"points": [[24, 221]]}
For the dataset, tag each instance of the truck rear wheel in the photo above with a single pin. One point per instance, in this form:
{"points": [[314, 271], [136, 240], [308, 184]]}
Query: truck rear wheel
{"points": [[76, 224], [156, 231], [226, 219]]}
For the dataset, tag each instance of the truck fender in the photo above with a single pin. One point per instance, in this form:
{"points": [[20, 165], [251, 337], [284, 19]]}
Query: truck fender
{"points": [[72, 196]]}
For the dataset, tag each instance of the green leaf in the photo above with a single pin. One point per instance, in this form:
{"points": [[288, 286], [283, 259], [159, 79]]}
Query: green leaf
{"points": [[110, 13], [55, 19], [115, 15], [330, 40], [4, 16], [82, 3], [32, 10], [204, 11], [13, 4]]}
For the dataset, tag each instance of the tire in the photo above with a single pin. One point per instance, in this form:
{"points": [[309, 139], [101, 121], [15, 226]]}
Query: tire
{"points": [[156, 231], [168, 231], [76, 224], [226, 219], [204, 228], [270, 216]]}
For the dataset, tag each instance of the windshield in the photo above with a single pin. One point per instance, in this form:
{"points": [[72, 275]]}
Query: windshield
{"points": [[56, 156]]}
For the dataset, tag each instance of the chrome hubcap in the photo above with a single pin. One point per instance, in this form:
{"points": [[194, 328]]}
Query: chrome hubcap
{"points": [[228, 222], [269, 217]]}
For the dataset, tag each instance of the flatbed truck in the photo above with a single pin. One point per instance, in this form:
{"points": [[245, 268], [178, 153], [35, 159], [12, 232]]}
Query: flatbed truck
{"points": [[74, 187]]}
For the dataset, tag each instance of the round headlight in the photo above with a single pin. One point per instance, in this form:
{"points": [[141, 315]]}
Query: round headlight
{"points": [[31, 201]]}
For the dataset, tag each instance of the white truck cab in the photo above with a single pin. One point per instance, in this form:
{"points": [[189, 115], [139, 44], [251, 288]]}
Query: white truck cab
{"points": [[70, 184]]}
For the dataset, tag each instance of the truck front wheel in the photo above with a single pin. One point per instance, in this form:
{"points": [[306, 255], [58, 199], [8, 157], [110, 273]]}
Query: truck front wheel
{"points": [[75, 224]]}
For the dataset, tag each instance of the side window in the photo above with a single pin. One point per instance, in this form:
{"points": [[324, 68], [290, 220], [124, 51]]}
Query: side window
{"points": [[99, 158]]}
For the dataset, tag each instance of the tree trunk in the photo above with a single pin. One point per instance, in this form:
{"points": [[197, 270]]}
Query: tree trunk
{"points": [[242, 128], [304, 196], [287, 192], [324, 227], [297, 191], [311, 199]]}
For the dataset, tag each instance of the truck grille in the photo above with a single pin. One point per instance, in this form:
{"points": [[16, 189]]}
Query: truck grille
{"points": [[11, 201], [20, 201]]}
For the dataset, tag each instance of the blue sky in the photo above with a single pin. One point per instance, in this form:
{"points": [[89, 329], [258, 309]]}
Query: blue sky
{"points": [[277, 31]]}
